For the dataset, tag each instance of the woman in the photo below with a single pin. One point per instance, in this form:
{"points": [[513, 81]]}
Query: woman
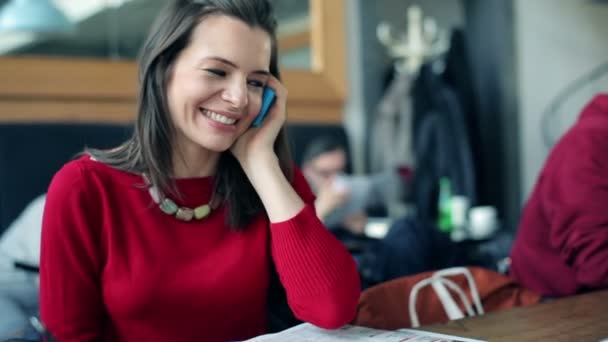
{"points": [[172, 236]]}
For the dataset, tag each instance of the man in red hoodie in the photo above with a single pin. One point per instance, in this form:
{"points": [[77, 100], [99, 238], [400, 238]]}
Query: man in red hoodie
{"points": [[562, 243]]}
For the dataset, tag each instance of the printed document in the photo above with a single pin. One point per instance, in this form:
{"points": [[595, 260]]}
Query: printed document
{"points": [[307, 332]]}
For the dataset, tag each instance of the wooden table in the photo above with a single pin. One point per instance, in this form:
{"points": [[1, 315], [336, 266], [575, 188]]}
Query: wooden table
{"points": [[579, 318]]}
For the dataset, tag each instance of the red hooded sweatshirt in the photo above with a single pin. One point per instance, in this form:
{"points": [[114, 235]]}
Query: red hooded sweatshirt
{"points": [[561, 247]]}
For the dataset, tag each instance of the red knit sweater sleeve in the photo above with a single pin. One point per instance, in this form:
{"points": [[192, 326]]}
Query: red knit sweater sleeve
{"points": [[319, 275], [70, 297], [576, 195]]}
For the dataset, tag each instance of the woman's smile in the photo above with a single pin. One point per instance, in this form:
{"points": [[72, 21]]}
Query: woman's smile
{"points": [[218, 122]]}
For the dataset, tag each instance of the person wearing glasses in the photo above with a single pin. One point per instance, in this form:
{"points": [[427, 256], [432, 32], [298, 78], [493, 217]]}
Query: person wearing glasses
{"points": [[343, 200]]}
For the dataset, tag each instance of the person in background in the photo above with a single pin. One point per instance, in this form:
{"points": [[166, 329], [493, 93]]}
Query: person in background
{"points": [[174, 235], [561, 247], [324, 166], [19, 258], [344, 201]]}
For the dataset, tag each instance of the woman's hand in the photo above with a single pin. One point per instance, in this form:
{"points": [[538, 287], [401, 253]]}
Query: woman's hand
{"points": [[255, 152], [256, 144]]}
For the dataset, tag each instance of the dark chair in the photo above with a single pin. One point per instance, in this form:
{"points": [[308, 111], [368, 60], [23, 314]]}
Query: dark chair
{"points": [[30, 154]]}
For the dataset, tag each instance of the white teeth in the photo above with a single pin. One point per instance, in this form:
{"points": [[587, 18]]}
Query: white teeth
{"points": [[219, 118]]}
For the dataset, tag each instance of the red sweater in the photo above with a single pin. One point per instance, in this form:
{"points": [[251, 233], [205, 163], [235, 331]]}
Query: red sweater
{"points": [[562, 244], [116, 268]]}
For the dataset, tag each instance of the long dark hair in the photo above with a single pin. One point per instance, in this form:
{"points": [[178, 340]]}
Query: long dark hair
{"points": [[149, 150]]}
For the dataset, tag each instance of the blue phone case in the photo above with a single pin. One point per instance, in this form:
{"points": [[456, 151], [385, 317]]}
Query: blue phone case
{"points": [[267, 100]]}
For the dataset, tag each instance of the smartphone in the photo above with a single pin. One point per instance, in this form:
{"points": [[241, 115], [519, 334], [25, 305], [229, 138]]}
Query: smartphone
{"points": [[268, 97]]}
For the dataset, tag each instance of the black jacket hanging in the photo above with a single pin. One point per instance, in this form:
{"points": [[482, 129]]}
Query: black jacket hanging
{"points": [[441, 143]]}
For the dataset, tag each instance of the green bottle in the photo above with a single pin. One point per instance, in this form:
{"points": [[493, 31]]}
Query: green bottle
{"points": [[444, 217]]}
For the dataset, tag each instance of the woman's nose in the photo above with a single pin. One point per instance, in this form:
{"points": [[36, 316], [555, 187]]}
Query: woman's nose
{"points": [[236, 95]]}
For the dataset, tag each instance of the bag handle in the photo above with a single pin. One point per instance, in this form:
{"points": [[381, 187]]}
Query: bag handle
{"points": [[439, 281]]}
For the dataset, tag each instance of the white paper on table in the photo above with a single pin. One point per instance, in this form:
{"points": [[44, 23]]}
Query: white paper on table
{"points": [[307, 332]]}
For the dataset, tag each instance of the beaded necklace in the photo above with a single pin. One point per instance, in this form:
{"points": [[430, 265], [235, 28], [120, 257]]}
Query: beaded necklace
{"points": [[169, 207]]}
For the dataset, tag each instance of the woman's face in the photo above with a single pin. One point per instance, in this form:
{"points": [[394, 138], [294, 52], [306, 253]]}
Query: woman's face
{"points": [[215, 87]]}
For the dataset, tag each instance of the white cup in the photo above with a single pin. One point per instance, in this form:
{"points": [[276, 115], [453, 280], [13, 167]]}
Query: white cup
{"points": [[460, 207], [482, 222]]}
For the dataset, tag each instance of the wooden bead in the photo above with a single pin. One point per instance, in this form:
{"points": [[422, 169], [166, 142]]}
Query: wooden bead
{"points": [[155, 194], [184, 214], [202, 211], [168, 206]]}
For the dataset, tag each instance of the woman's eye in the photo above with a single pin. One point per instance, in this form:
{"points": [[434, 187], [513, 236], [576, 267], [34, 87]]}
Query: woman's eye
{"points": [[256, 83], [216, 72]]}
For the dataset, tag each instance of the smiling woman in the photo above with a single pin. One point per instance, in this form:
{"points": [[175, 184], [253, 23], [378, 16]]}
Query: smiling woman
{"points": [[36, 88], [213, 204], [215, 90]]}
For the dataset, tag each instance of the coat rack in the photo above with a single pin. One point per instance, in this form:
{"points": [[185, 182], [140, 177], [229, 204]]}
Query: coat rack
{"points": [[422, 40]]}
